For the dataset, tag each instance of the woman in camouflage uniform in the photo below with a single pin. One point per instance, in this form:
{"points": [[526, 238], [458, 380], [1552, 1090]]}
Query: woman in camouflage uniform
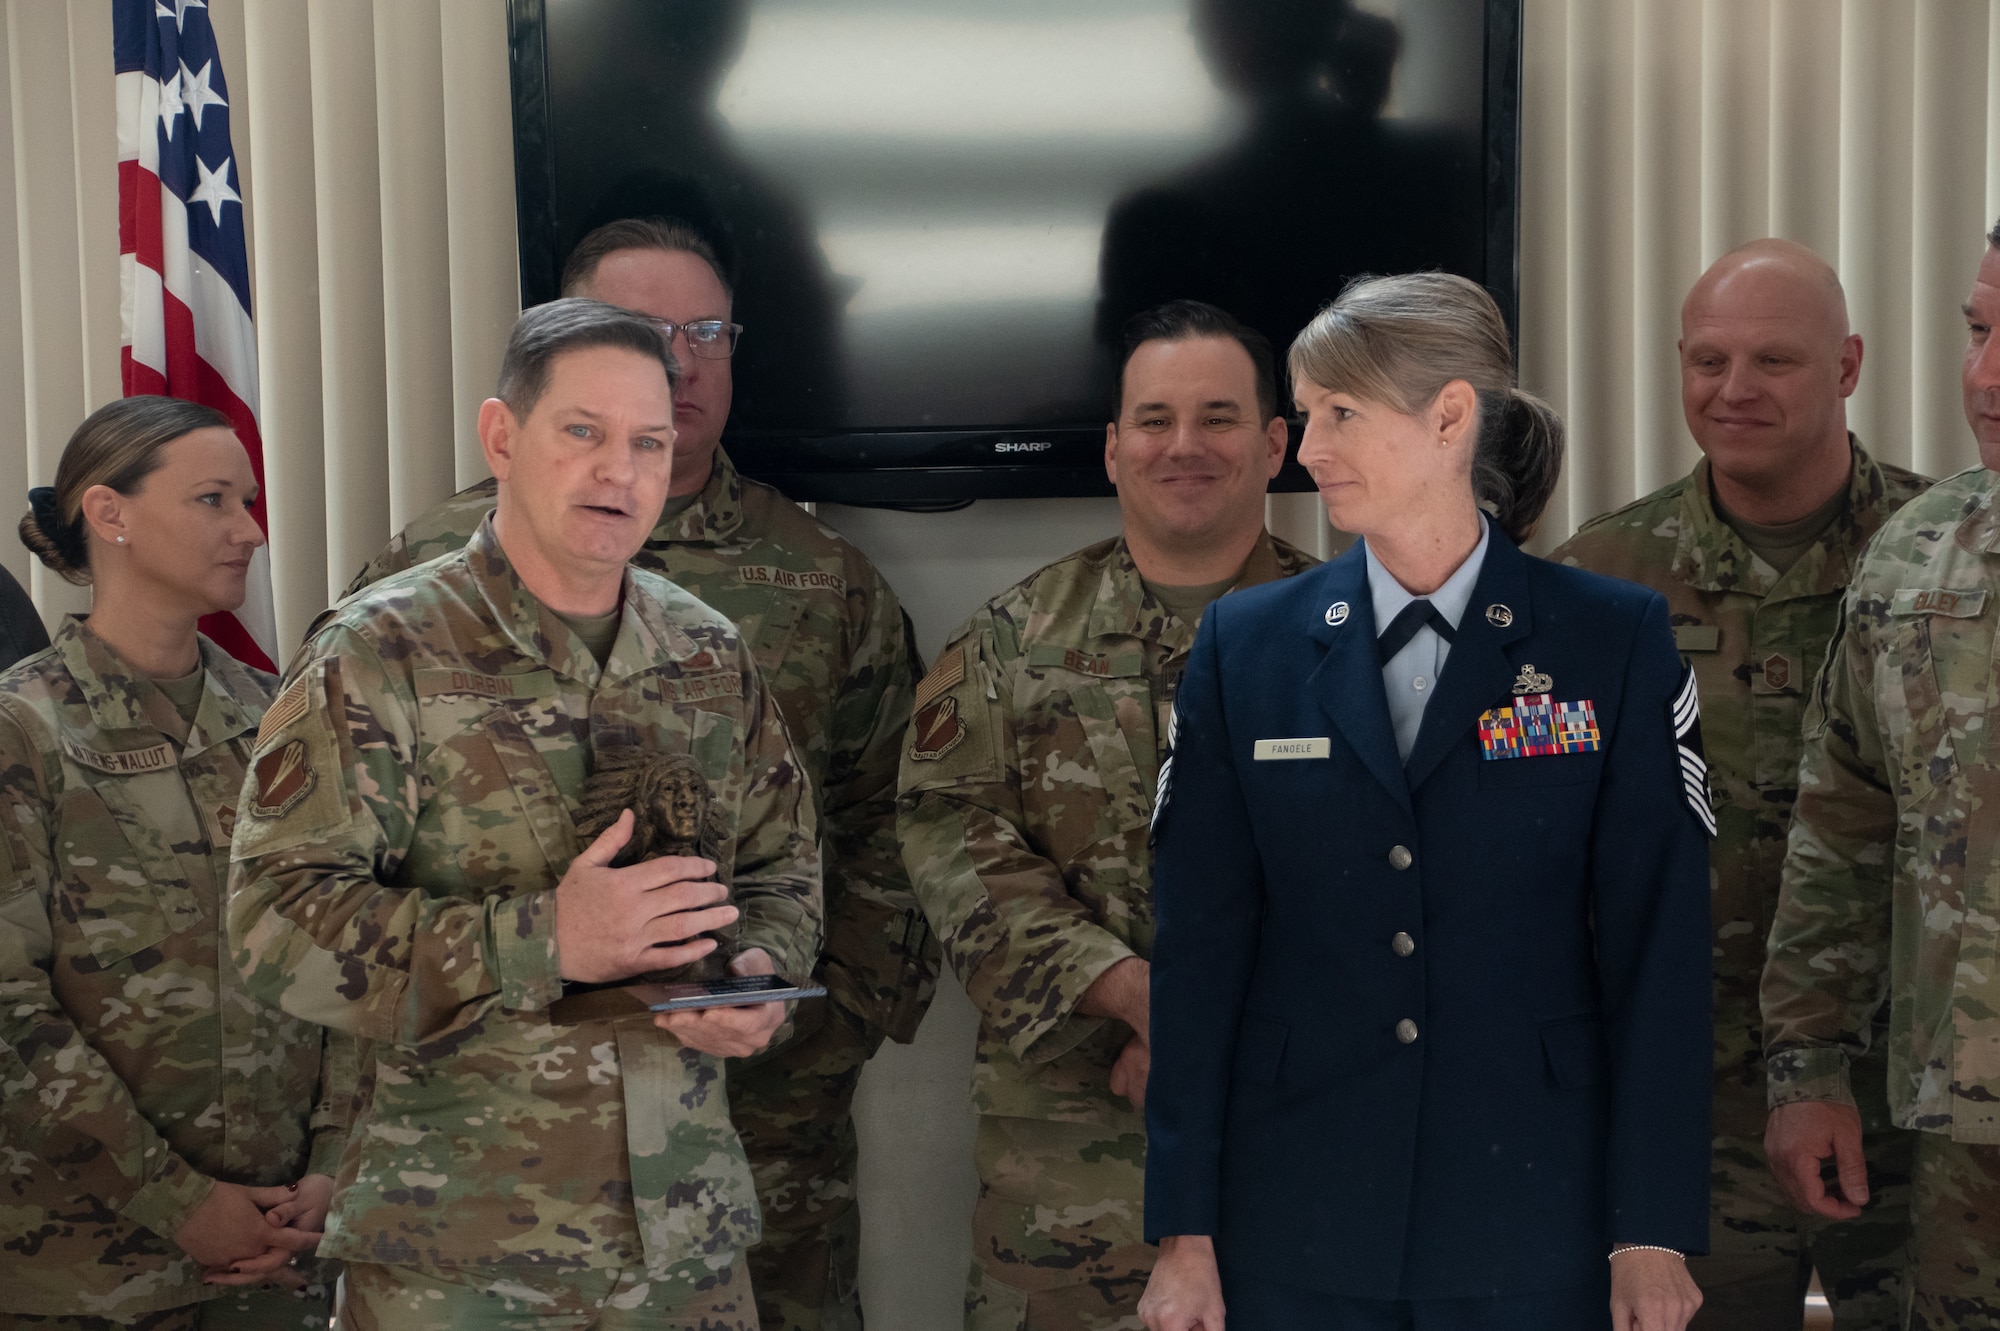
{"points": [[165, 1142]]}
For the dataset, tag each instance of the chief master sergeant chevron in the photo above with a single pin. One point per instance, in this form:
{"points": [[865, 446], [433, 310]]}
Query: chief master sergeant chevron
{"points": [[1891, 884], [1027, 791], [408, 870]]}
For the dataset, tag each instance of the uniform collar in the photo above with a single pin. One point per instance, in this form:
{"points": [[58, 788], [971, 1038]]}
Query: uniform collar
{"points": [[645, 634], [715, 514], [1712, 557], [1979, 530], [1348, 679], [1122, 608], [1450, 599], [121, 700]]}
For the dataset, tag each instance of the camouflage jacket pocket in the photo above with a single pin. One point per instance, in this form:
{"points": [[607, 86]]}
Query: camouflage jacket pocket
{"points": [[1109, 701], [692, 1192], [120, 897], [714, 741], [1094, 801], [507, 809], [1926, 714]]}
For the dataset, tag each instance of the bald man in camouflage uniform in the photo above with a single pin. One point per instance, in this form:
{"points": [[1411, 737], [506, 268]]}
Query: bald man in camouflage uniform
{"points": [[409, 870], [1891, 884], [1027, 794], [1767, 364], [830, 638]]}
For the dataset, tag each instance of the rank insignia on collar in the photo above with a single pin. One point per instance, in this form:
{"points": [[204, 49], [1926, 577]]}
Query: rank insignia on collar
{"points": [[1538, 726], [1499, 616], [1336, 614], [1532, 681]]}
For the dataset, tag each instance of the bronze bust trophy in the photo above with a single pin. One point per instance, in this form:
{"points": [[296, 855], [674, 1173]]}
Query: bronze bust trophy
{"points": [[674, 812]]}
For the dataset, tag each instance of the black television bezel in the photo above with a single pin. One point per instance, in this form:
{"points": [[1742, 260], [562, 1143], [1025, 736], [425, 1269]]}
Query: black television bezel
{"points": [[942, 466]]}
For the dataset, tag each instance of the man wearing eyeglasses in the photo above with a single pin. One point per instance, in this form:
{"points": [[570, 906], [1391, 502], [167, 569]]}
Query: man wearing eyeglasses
{"points": [[829, 638]]}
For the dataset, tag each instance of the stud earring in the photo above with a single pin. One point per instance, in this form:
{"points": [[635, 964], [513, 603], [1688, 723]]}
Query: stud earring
{"points": [[121, 540]]}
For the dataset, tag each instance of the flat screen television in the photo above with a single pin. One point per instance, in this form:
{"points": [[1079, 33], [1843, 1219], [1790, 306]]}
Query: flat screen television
{"points": [[939, 213]]}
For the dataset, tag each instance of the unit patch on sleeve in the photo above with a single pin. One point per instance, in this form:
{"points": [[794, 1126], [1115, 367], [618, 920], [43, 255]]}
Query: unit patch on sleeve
{"points": [[1536, 726], [284, 777], [937, 730], [1685, 717]]}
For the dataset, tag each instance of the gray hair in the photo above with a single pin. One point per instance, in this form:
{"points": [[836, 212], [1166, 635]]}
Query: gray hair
{"points": [[1399, 340], [572, 324]]}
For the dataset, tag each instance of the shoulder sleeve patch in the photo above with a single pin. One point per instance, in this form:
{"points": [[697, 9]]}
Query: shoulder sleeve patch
{"points": [[944, 676], [936, 730], [284, 776], [288, 707], [294, 792], [954, 723]]}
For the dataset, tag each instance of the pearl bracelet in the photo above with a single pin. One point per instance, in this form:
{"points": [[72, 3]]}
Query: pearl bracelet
{"points": [[1647, 1247]]}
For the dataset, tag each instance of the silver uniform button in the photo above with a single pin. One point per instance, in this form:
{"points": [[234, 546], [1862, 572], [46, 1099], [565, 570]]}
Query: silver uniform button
{"points": [[1400, 857], [1403, 945], [1406, 1031]]}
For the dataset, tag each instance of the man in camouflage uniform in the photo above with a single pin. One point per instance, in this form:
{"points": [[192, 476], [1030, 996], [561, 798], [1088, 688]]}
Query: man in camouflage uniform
{"points": [[1752, 553], [408, 869], [1891, 883], [1027, 793], [829, 637]]}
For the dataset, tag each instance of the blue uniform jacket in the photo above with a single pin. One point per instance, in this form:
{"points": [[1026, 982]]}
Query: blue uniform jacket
{"points": [[1549, 1094]]}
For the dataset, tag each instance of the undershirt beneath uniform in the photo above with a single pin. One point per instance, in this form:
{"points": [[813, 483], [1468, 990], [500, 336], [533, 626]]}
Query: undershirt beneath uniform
{"points": [[184, 693], [1784, 544], [598, 632], [1189, 602]]}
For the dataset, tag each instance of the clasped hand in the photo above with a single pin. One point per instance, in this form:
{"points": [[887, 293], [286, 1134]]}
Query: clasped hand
{"points": [[612, 924], [249, 1236]]}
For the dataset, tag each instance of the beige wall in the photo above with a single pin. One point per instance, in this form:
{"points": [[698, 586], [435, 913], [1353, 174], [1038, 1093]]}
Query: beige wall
{"points": [[375, 149]]}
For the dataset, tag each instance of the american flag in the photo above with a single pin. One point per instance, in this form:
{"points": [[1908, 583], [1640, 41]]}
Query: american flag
{"points": [[184, 271]]}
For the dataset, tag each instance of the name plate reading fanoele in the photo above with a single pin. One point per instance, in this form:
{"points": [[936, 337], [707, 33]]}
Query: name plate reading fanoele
{"points": [[1274, 750]]}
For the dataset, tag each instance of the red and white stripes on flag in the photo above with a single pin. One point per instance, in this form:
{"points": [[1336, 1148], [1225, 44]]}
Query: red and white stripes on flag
{"points": [[184, 269]]}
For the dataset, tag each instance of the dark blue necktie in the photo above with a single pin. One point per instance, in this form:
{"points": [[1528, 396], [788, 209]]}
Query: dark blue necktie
{"points": [[1404, 627]]}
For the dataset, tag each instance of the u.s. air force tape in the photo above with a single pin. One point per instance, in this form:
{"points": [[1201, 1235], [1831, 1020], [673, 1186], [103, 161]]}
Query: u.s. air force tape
{"points": [[1685, 717]]}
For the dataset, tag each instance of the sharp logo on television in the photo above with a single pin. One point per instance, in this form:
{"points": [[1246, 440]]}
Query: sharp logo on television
{"points": [[1024, 446]]}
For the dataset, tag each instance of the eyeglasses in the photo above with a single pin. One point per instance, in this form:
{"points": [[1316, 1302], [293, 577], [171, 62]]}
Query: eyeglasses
{"points": [[710, 339]]}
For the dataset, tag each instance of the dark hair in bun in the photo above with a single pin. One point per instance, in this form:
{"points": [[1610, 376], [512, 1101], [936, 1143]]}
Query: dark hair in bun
{"points": [[118, 445]]}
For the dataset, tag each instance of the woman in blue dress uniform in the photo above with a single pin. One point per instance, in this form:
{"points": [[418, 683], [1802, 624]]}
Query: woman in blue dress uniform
{"points": [[1430, 986]]}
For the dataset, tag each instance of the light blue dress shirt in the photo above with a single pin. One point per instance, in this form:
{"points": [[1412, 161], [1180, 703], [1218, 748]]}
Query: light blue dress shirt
{"points": [[1409, 677]]}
